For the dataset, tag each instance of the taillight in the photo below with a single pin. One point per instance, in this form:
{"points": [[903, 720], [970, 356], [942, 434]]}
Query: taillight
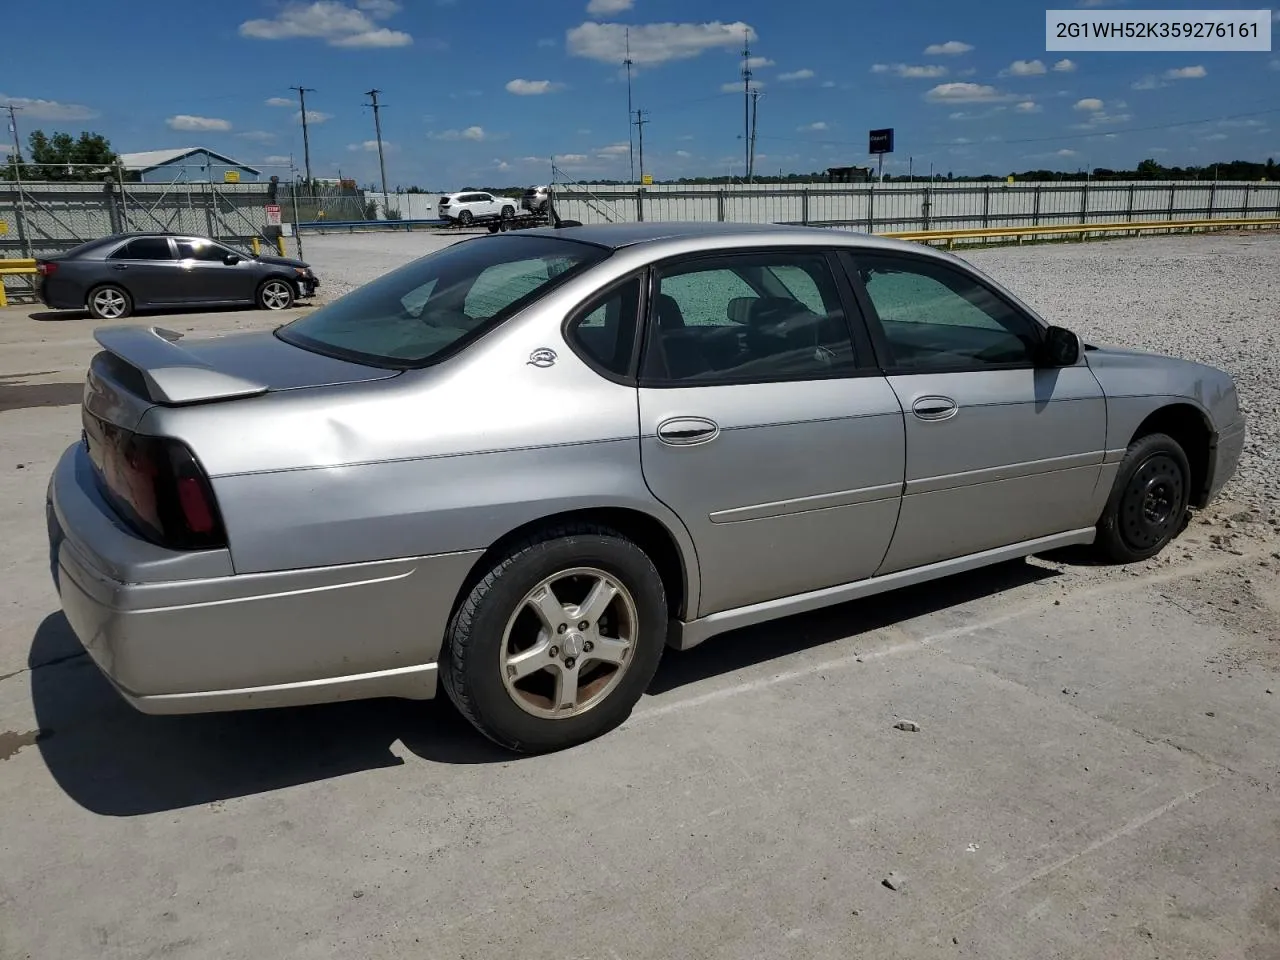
{"points": [[46, 269], [157, 485]]}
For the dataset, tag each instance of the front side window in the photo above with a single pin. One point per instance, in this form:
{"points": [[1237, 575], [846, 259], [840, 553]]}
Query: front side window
{"points": [[144, 248], [747, 318], [427, 308], [205, 250], [937, 318]]}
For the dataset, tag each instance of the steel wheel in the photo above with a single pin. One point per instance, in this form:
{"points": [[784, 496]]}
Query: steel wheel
{"points": [[276, 295], [569, 643], [1153, 501], [109, 303]]}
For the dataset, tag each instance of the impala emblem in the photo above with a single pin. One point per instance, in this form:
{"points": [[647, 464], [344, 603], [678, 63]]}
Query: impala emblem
{"points": [[542, 357]]}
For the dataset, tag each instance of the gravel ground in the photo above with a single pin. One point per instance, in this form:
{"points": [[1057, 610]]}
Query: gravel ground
{"points": [[1214, 299]]}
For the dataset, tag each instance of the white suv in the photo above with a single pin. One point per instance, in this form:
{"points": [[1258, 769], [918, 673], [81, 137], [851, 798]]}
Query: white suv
{"points": [[471, 205]]}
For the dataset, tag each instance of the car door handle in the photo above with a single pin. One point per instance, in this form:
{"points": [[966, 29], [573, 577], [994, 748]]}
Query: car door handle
{"points": [[119, 266], [687, 431], [934, 408]]}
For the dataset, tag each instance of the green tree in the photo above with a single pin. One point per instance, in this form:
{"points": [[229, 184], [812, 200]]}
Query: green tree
{"points": [[64, 157]]}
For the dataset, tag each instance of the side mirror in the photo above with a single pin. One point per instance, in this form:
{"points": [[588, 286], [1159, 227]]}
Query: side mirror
{"points": [[230, 259], [1060, 348]]}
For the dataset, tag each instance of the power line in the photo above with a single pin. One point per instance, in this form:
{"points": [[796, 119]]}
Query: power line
{"points": [[377, 126], [306, 144]]}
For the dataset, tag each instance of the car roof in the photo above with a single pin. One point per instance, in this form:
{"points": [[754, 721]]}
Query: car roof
{"points": [[615, 236]]}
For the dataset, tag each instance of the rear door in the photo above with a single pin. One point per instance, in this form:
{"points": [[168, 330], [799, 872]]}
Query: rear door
{"points": [[766, 426], [1000, 450], [148, 268], [207, 274]]}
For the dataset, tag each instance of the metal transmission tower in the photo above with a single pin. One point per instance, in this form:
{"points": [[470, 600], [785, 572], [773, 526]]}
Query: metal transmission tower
{"points": [[377, 126], [640, 121], [306, 144], [631, 141]]}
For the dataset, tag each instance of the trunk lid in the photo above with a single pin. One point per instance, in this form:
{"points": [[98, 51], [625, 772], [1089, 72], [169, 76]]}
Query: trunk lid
{"points": [[140, 367]]}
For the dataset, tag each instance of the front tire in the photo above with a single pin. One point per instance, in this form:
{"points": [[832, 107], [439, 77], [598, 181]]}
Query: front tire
{"points": [[557, 642], [109, 302], [275, 294], [1149, 500]]}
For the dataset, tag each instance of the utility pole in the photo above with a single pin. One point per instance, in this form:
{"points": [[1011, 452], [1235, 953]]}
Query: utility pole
{"points": [[17, 179], [755, 102], [377, 126], [640, 122], [631, 140], [306, 145], [746, 99]]}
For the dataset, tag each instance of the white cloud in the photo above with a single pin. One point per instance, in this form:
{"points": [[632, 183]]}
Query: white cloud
{"points": [[562, 158], [313, 116], [278, 102], [470, 133], [185, 121], [257, 136], [371, 146], [1089, 103], [964, 93], [532, 88], [1065, 66], [333, 22], [36, 109], [805, 74], [1065, 152], [1025, 68], [653, 43], [929, 72], [735, 86], [1215, 137], [683, 154], [606, 7], [277, 160], [828, 84], [816, 127], [1148, 83], [952, 48], [1186, 73], [1028, 106], [615, 149]]}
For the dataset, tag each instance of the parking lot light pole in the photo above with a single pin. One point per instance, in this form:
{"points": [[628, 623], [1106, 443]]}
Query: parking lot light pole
{"points": [[306, 145]]}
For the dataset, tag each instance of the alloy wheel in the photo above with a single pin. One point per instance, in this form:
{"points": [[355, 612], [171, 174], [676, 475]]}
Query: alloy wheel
{"points": [[109, 304], [276, 295], [569, 643]]}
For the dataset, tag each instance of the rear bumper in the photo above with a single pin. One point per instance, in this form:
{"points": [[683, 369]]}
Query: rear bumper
{"points": [[244, 641], [1226, 458]]}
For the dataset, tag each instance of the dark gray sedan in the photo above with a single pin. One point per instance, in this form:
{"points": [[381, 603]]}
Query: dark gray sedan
{"points": [[114, 276]]}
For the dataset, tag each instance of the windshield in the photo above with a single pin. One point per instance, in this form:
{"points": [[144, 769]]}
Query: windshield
{"points": [[434, 306]]}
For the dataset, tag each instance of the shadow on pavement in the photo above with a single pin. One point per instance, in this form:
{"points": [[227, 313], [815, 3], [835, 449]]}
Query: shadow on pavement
{"points": [[116, 761]]}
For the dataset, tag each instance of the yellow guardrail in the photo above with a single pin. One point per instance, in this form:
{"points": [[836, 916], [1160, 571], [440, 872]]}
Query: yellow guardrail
{"points": [[13, 268], [1137, 226]]}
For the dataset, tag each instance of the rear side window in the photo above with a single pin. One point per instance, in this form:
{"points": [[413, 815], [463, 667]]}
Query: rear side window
{"points": [[144, 248], [433, 306], [604, 330]]}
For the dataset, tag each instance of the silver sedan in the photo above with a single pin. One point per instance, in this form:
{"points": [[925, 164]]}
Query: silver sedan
{"points": [[527, 464]]}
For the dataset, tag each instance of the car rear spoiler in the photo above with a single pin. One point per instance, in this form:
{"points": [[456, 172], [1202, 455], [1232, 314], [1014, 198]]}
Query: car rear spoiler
{"points": [[173, 376]]}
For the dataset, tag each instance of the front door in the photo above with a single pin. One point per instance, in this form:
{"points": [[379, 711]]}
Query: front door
{"points": [[765, 425], [209, 277], [999, 450]]}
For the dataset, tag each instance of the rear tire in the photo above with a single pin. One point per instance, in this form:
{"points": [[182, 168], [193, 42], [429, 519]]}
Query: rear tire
{"points": [[1149, 501], [508, 212], [518, 661], [465, 218], [275, 294], [109, 302]]}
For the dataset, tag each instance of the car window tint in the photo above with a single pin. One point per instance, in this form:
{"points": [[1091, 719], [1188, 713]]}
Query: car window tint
{"points": [[605, 331], [201, 250], [935, 317], [144, 248], [413, 314], [733, 321], [503, 284]]}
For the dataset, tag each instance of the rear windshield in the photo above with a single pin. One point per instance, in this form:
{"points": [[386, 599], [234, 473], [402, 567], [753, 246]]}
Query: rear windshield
{"points": [[434, 306]]}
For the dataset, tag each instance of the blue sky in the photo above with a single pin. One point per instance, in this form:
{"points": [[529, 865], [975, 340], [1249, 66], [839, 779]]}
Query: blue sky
{"points": [[486, 91]]}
